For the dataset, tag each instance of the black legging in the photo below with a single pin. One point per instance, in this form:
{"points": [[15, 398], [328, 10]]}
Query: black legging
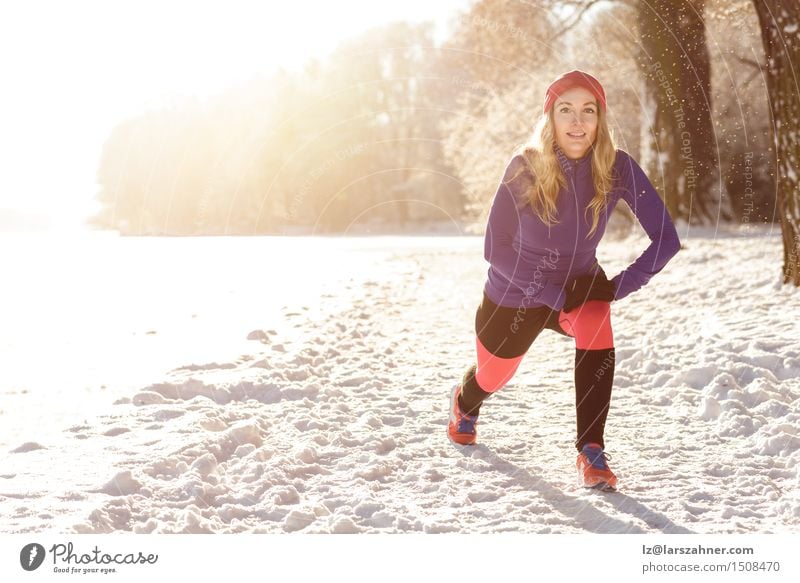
{"points": [[504, 335]]}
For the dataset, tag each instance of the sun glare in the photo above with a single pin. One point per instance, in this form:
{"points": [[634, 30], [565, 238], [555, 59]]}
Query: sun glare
{"points": [[79, 68]]}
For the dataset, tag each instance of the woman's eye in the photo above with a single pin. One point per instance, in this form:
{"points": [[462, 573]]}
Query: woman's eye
{"points": [[589, 110], [564, 110]]}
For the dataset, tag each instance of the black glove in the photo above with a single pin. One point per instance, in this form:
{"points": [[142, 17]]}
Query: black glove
{"points": [[588, 287]]}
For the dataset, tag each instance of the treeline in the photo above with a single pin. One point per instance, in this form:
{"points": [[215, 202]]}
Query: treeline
{"points": [[354, 139], [392, 130]]}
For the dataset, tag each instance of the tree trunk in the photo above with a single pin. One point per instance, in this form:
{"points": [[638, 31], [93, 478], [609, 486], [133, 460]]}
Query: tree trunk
{"points": [[678, 148], [779, 32]]}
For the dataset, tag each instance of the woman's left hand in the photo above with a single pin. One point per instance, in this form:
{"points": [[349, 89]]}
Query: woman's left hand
{"points": [[593, 286]]}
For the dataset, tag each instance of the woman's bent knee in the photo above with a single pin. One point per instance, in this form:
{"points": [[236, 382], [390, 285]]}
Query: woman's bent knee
{"points": [[493, 372]]}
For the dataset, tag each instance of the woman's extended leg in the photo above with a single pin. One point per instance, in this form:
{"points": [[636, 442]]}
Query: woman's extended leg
{"points": [[502, 337], [590, 325]]}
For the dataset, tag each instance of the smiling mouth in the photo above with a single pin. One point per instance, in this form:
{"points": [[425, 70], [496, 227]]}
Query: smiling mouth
{"points": [[576, 134]]}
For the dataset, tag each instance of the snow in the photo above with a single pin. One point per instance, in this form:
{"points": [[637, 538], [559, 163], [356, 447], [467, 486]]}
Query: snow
{"points": [[332, 419]]}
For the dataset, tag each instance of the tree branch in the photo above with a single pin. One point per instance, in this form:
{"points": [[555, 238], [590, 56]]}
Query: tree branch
{"points": [[759, 67], [583, 6]]}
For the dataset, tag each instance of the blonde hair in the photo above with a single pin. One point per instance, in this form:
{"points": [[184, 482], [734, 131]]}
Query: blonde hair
{"points": [[542, 163]]}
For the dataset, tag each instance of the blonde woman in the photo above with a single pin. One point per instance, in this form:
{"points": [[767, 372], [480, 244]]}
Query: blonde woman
{"points": [[547, 218]]}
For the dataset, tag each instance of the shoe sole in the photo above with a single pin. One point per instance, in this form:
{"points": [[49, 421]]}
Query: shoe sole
{"points": [[454, 442], [602, 487]]}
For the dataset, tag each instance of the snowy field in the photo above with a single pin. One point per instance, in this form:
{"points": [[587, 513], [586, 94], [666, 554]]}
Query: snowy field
{"points": [[132, 400]]}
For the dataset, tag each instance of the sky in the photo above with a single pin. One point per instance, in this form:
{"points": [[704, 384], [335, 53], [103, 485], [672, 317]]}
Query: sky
{"points": [[72, 70]]}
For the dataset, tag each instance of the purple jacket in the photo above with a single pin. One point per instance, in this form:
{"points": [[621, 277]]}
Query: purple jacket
{"points": [[530, 262]]}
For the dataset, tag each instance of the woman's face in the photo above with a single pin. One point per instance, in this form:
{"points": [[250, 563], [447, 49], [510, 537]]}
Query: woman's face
{"points": [[575, 114]]}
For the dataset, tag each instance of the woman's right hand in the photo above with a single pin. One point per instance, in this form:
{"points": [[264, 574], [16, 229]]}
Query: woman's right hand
{"points": [[593, 286]]}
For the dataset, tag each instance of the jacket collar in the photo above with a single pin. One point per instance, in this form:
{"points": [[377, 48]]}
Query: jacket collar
{"points": [[567, 165]]}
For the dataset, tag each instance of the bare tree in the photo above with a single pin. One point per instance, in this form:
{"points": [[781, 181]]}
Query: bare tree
{"points": [[780, 21], [499, 60], [741, 114], [679, 142]]}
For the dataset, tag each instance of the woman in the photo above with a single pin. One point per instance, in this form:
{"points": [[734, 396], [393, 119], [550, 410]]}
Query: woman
{"points": [[548, 215]]}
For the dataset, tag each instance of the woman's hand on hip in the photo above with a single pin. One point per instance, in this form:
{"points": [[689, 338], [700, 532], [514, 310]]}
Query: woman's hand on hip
{"points": [[583, 288]]}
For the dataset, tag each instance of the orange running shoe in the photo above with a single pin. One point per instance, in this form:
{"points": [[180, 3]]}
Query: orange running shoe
{"points": [[461, 428], [593, 471]]}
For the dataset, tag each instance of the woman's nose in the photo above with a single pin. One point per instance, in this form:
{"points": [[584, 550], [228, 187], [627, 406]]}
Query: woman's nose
{"points": [[577, 120]]}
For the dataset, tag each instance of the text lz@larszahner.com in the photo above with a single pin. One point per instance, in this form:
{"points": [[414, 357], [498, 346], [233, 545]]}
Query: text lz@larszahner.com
{"points": [[96, 557]]}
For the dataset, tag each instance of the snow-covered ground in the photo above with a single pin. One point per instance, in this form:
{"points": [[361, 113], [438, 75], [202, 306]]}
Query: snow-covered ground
{"points": [[132, 400]]}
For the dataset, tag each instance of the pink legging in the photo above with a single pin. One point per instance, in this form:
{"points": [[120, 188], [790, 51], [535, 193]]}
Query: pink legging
{"points": [[589, 324]]}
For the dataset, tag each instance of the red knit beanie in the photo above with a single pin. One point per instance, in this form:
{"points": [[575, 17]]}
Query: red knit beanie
{"points": [[574, 79]]}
